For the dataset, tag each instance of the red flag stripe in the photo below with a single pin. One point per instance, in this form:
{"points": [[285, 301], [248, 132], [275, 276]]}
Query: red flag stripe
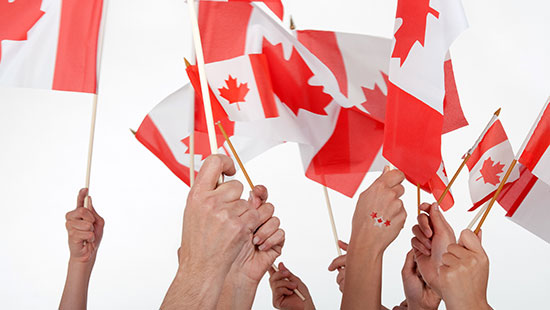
{"points": [[263, 83], [512, 198], [76, 60], [539, 141], [412, 139], [494, 136]]}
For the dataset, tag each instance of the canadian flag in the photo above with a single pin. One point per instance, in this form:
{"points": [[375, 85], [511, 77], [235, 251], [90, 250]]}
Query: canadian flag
{"points": [[526, 201], [424, 31], [488, 163], [536, 149], [50, 44], [437, 186], [242, 86], [360, 63]]}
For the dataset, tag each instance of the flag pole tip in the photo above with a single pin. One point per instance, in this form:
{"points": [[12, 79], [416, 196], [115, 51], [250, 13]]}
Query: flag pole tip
{"points": [[133, 131], [292, 25], [187, 64], [497, 113]]}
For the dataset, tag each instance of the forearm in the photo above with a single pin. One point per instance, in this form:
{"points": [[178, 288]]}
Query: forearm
{"points": [[194, 290], [363, 284], [75, 293], [237, 294]]}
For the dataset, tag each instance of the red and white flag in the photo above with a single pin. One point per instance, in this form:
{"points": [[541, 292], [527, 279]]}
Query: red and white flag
{"points": [[360, 63], [535, 154], [437, 186], [50, 44], [242, 86], [424, 31], [488, 163], [526, 201]]}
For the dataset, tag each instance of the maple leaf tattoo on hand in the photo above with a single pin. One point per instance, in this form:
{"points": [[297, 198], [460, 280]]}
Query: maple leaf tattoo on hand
{"points": [[234, 93], [490, 172]]}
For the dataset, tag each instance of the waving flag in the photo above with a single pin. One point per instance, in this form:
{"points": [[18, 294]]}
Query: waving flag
{"points": [[488, 163], [424, 31], [242, 86], [360, 63], [536, 149], [526, 201], [50, 44]]}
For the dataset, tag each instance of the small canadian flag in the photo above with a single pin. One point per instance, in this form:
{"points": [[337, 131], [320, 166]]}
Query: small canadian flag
{"points": [[488, 164], [242, 86]]}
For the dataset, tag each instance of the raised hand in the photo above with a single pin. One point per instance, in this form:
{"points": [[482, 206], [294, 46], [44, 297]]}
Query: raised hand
{"points": [[339, 263], [283, 283], [432, 236], [465, 273], [418, 294], [85, 230]]}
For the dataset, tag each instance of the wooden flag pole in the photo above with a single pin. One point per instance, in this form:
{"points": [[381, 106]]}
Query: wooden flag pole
{"points": [[418, 197], [332, 222], [478, 215], [495, 196], [467, 156], [240, 163], [202, 77], [101, 36]]}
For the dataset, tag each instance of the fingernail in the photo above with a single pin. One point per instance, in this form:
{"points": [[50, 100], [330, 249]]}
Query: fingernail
{"points": [[261, 247], [256, 240]]}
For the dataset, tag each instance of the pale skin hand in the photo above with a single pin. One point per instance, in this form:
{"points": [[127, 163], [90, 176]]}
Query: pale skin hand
{"points": [[256, 256], [216, 226], [85, 230], [432, 236], [465, 274], [363, 282], [283, 283], [419, 296], [339, 263]]}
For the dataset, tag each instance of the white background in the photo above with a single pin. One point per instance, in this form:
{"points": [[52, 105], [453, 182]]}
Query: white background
{"points": [[500, 61]]}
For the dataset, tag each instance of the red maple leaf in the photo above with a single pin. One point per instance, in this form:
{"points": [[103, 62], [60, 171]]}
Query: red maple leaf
{"points": [[290, 80], [490, 172], [234, 93], [17, 18], [202, 144], [376, 100], [414, 15]]}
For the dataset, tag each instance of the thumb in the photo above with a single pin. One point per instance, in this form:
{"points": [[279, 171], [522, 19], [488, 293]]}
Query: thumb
{"points": [[82, 194], [439, 222], [409, 266], [470, 241]]}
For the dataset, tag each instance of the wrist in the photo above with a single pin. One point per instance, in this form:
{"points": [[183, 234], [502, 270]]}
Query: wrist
{"points": [[363, 241]]}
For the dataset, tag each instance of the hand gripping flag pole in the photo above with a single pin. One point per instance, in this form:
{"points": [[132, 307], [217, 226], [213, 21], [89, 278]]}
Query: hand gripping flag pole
{"points": [[240, 163], [467, 156]]}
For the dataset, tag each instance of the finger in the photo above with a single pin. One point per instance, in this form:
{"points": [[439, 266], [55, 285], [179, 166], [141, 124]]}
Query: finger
{"points": [[81, 196], [285, 284], [480, 235], [229, 191], [471, 241], [399, 190], [449, 259], [457, 250], [212, 168], [80, 214], [343, 245], [392, 178], [340, 277], [278, 238], [259, 192], [291, 276], [277, 275], [418, 234], [386, 169], [266, 211], [409, 268], [337, 263], [251, 218], [438, 221], [80, 225], [77, 236], [98, 219], [239, 207], [284, 291], [266, 230], [424, 225], [416, 244], [425, 207]]}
